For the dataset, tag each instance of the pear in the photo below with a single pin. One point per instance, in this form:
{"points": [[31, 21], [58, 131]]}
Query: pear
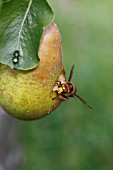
{"points": [[28, 95]]}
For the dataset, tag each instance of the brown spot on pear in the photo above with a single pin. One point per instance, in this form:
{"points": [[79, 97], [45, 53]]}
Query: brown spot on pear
{"points": [[28, 95]]}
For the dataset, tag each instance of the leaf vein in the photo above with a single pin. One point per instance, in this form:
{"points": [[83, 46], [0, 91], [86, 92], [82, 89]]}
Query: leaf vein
{"points": [[22, 24]]}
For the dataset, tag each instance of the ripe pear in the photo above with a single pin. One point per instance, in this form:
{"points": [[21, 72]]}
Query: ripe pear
{"points": [[28, 95]]}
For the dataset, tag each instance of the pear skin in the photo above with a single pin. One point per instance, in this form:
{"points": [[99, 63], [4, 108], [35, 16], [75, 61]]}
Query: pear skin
{"points": [[28, 95]]}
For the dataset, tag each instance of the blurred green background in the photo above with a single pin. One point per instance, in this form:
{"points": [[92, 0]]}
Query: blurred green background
{"points": [[74, 137]]}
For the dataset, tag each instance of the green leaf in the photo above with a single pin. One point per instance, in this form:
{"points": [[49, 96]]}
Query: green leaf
{"points": [[21, 27]]}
